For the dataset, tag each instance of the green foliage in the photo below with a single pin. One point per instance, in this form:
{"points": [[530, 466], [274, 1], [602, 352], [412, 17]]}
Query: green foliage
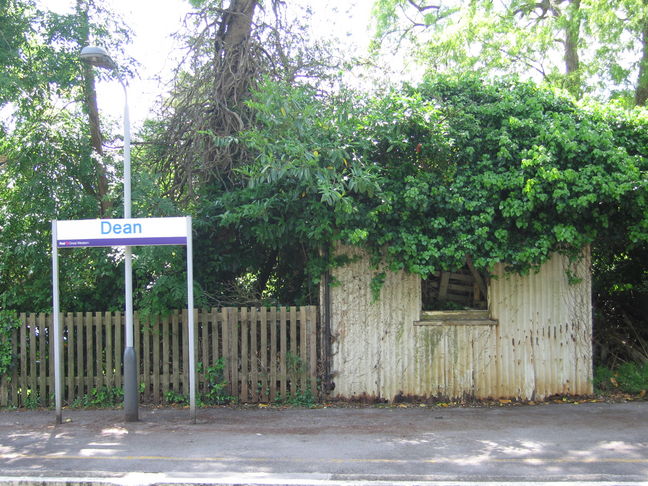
{"points": [[30, 399], [103, 397], [424, 176], [215, 392], [627, 378], [174, 398], [301, 398], [585, 46], [48, 169], [9, 322]]}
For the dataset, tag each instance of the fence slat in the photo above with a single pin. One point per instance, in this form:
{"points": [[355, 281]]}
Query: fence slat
{"points": [[273, 360], [88, 342], [137, 345], [303, 356], [23, 357], [312, 342], [68, 355], [226, 348], [294, 353], [234, 330], [31, 320], [283, 347], [175, 346], [145, 359], [263, 366], [99, 347], [156, 364], [119, 348], [216, 322], [203, 327], [244, 353], [42, 362], [78, 324], [254, 357], [184, 329], [13, 398], [164, 377]]}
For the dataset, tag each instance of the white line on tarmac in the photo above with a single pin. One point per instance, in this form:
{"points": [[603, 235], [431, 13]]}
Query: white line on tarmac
{"points": [[156, 479], [438, 460]]}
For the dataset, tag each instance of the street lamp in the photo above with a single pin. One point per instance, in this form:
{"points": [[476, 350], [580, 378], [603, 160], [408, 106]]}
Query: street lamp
{"points": [[97, 56]]}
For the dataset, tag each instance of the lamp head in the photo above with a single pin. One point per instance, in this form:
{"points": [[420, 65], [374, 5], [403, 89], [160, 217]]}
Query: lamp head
{"points": [[97, 56]]}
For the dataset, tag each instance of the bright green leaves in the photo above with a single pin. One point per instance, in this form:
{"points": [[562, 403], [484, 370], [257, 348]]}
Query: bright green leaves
{"points": [[584, 46], [423, 176], [302, 142]]}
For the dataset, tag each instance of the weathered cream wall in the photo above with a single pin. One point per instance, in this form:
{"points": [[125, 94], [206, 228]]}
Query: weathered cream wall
{"points": [[544, 337], [541, 346]]}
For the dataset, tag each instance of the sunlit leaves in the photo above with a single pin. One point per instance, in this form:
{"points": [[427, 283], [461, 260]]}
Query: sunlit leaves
{"points": [[503, 172]]}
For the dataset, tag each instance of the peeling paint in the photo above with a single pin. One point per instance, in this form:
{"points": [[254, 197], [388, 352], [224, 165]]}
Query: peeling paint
{"points": [[540, 347]]}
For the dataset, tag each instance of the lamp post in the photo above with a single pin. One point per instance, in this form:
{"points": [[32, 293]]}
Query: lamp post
{"points": [[97, 56]]}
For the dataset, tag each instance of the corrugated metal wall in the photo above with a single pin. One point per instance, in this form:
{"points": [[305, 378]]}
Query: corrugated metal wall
{"points": [[544, 337], [541, 345]]}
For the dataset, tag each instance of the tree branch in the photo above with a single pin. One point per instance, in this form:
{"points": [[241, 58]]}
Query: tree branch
{"points": [[423, 8]]}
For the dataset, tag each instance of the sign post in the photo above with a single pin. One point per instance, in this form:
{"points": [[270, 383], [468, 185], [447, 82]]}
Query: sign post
{"points": [[57, 328], [123, 232]]}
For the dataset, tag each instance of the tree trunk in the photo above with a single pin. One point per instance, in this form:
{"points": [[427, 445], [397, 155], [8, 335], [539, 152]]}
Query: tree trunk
{"points": [[232, 50], [641, 91], [572, 38], [236, 25], [90, 100]]}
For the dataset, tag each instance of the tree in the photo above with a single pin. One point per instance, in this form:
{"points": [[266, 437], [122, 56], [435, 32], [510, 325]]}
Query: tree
{"points": [[195, 147], [48, 167], [584, 46], [231, 47]]}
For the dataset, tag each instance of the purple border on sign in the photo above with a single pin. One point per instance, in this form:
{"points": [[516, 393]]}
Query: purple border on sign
{"points": [[168, 240]]}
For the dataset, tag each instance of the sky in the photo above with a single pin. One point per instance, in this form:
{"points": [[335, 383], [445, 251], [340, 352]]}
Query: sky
{"points": [[153, 22]]}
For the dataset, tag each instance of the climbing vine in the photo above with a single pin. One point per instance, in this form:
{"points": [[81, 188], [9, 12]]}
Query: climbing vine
{"points": [[8, 323], [424, 176]]}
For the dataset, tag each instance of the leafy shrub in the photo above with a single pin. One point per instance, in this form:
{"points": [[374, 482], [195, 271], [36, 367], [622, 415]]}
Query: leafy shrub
{"points": [[301, 398], [174, 398], [426, 175], [627, 378], [8, 323], [103, 397], [215, 392]]}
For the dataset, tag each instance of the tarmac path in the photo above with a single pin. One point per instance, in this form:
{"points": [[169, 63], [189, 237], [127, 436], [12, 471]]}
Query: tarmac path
{"points": [[543, 444]]}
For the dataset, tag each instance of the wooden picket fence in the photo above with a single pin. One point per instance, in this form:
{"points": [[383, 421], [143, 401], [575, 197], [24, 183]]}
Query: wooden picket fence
{"points": [[264, 354]]}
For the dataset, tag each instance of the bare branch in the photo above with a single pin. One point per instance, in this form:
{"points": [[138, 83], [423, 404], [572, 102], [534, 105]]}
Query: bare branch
{"points": [[423, 8]]}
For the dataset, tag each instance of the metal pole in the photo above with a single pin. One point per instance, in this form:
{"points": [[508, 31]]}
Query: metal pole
{"points": [[190, 323], [57, 327], [131, 411], [97, 56]]}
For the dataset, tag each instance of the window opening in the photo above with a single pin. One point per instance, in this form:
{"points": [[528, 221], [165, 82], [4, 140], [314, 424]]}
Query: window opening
{"points": [[459, 290]]}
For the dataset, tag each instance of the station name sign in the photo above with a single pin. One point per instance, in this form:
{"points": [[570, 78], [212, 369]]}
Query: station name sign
{"points": [[122, 232]]}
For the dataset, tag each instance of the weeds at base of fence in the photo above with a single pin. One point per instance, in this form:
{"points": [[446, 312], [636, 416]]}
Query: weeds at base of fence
{"points": [[301, 398], [31, 400], [104, 397], [215, 385], [174, 398]]}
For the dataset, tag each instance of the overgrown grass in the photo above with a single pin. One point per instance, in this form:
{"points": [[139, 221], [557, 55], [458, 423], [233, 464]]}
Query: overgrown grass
{"points": [[626, 378]]}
